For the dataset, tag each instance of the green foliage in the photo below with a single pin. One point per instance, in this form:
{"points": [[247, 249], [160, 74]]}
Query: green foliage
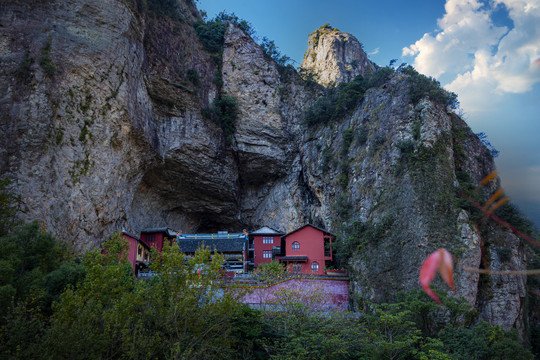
{"points": [[343, 207], [326, 158], [347, 136], [21, 330], [483, 341], [511, 214], [505, 254], [360, 234], [45, 60], [390, 334], [337, 102], [193, 76], [34, 271], [9, 206], [24, 71], [271, 50], [270, 272], [421, 86], [211, 32], [163, 7], [325, 29], [343, 177], [362, 135], [211, 35], [406, 146], [28, 255], [483, 137], [224, 111], [341, 100], [179, 313], [381, 76]]}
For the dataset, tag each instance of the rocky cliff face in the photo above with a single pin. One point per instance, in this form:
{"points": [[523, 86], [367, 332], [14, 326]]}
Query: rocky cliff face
{"points": [[333, 57], [102, 106]]}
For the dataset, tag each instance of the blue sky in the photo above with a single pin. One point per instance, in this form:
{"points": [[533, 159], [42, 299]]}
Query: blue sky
{"points": [[486, 51]]}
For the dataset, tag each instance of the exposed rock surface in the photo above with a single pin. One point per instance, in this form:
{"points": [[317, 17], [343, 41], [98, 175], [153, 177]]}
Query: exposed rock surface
{"points": [[333, 57], [115, 138]]}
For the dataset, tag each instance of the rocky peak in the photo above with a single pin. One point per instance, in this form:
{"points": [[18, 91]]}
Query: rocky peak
{"points": [[334, 56]]}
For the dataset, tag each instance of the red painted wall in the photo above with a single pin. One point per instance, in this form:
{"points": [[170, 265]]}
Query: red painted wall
{"points": [[260, 248], [311, 245], [132, 251], [335, 293], [156, 243]]}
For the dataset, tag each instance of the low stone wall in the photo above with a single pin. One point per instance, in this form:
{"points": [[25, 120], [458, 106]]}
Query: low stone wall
{"points": [[319, 294]]}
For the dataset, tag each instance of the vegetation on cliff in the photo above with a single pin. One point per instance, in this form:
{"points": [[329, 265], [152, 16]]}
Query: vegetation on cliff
{"points": [[95, 308], [339, 101]]}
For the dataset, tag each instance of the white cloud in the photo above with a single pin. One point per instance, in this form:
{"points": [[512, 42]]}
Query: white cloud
{"points": [[374, 52], [481, 57]]}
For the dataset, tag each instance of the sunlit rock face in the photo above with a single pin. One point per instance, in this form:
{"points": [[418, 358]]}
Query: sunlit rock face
{"points": [[101, 106], [333, 57]]}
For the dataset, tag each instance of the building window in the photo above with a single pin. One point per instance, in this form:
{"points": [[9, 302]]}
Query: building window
{"points": [[314, 266], [297, 268], [150, 238], [267, 254], [296, 246], [268, 240]]}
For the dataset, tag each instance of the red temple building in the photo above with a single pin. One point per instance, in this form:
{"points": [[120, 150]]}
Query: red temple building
{"points": [[307, 250], [233, 247], [138, 252], [264, 245], [157, 237]]}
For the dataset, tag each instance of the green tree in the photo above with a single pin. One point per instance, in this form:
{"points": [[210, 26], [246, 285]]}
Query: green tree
{"points": [[182, 312], [270, 272], [9, 206], [34, 270]]}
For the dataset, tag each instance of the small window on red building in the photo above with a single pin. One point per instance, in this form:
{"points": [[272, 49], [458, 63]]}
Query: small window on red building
{"points": [[267, 254], [150, 238], [296, 246], [315, 266], [268, 240], [297, 268]]}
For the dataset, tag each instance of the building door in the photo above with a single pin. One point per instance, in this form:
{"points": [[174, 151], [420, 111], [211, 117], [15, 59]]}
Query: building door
{"points": [[297, 268]]}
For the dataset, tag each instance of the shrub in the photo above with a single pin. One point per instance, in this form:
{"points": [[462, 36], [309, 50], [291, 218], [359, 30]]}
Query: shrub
{"points": [[23, 72], [511, 214], [211, 32], [483, 137], [421, 86], [341, 100], [164, 7], [193, 76], [326, 157], [271, 50], [337, 102], [406, 146], [9, 206], [348, 136], [45, 60], [380, 77], [224, 112], [343, 207]]}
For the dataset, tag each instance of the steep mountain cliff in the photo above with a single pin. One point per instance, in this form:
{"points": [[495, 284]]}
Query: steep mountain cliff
{"points": [[113, 116]]}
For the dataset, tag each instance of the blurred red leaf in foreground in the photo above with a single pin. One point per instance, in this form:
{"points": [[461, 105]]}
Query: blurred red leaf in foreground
{"points": [[440, 260]]}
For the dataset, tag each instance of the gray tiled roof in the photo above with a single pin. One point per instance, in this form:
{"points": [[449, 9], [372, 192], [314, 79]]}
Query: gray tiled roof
{"points": [[220, 245], [265, 230], [313, 226], [167, 230]]}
